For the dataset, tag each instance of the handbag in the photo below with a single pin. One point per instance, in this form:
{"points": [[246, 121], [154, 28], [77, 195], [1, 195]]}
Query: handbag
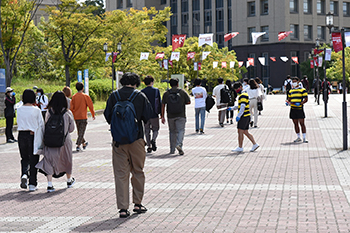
{"points": [[260, 106]]}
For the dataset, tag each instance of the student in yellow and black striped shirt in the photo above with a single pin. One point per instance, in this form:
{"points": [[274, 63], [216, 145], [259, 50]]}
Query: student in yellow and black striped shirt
{"points": [[297, 97], [243, 118]]}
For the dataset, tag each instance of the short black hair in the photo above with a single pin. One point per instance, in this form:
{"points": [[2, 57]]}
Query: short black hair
{"points": [[40, 90], [288, 76], [228, 83], [197, 82], [220, 80], [246, 80], [148, 80], [58, 102], [79, 86], [130, 78], [174, 82], [237, 85], [28, 96], [295, 78]]}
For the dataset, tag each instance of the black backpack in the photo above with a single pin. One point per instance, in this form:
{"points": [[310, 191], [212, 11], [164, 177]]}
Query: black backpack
{"points": [[54, 130], [288, 86], [209, 103], [175, 103], [225, 96]]}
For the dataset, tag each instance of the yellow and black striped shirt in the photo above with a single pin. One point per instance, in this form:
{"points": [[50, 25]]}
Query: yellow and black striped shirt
{"points": [[297, 96], [244, 99]]}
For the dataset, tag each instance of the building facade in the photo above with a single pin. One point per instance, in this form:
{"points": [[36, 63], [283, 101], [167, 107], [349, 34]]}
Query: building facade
{"points": [[306, 18]]}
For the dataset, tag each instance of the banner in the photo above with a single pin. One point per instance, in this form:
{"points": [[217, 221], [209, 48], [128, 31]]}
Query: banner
{"points": [[195, 66], [190, 55], [285, 59], [80, 76], [223, 64], [311, 63], [261, 60], [284, 34], [178, 41], [115, 56], [215, 64], [315, 61], [232, 64], [273, 58], [171, 63], [86, 81], [337, 41], [295, 59], [205, 55], [165, 64], [347, 39], [175, 56], [199, 65], [250, 61], [159, 56], [256, 35], [107, 56], [2, 80], [328, 54], [320, 60], [318, 51], [205, 39], [230, 36], [144, 56], [240, 63]]}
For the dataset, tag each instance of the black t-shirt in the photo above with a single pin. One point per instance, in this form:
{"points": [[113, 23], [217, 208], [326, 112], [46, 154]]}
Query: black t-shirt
{"points": [[184, 97]]}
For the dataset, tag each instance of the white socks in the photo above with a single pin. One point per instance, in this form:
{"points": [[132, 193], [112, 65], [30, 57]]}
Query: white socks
{"points": [[69, 180], [49, 183], [304, 135], [298, 134]]}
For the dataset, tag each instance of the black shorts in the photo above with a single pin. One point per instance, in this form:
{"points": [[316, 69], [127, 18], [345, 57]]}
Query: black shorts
{"points": [[296, 113], [243, 123]]}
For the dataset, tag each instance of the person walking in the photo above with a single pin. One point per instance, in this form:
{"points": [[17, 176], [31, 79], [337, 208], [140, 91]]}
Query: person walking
{"points": [[79, 104], [68, 93], [58, 160], [297, 97], [30, 137], [153, 95], [243, 118], [262, 91], [219, 102], [229, 113], [130, 157], [305, 83], [175, 101], [200, 95], [254, 93], [9, 113], [287, 85], [42, 101]]}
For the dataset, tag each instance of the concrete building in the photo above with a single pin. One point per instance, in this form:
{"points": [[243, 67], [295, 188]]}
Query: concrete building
{"points": [[41, 10], [306, 18]]}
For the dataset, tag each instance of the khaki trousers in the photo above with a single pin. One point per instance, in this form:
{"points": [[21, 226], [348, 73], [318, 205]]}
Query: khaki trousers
{"points": [[129, 158]]}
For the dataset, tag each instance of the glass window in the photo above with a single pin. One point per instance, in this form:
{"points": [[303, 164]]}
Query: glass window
{"points": [[307, 32], [295, 31], [195, 5], [207, 4], [294, 66], [219, 3], [251, 69], [196, 23], [251, 8], [129, 3], [307, 6], [250, 30], [207, 21], [173, 6], [265, 37], [119, 4], [162, 2], [265, 70], [184, 23], [229, 18], [346, 8], [220, 39], [320, 6], [321, 32], [220, 20], [293, 5], [264, 7], [184, 5], [229, 3], [333, 7]]}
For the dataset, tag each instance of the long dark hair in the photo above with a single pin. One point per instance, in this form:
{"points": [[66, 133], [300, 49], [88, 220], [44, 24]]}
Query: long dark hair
{"points": [[253, 84], [229, 84], [58, 102]]}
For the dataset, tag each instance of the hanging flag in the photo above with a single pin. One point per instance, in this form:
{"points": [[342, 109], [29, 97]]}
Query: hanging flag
{"points": [[311, 63], [347, 39], [107, 56], [144, 56], [328, 54], [178, 41], [337, 41], [215, 64], [232, 64], [230, 36], [171, 63], [285, 59], [190, 55], [273, 58], [199, 65], [251, 61], [262, 60], [320, 60], [315, 61], [295, 59], [256, 35], [223, 64], [195, 66], [175, 56], [115, 56], [318, 51], [240, 63], [284, 34], [159, 56], [205, 39], [165, 64], [205, 55]]}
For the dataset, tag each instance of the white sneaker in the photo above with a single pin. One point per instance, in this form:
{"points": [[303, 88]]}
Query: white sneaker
{"points": [[238, 149], [24, 179], [256, 146], [297, 140], [305, 140], [32, 188]]}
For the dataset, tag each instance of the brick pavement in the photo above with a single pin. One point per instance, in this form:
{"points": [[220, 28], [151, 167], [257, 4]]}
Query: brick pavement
{"points": [[282, 187]]}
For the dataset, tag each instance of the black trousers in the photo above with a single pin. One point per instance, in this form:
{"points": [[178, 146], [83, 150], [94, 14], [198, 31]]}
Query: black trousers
{"points": [[9, 126], [28, 160], [229, 114]]}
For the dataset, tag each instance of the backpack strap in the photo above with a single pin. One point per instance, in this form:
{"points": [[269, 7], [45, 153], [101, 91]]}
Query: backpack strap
{"points": [[117, 96], [133, 95]]}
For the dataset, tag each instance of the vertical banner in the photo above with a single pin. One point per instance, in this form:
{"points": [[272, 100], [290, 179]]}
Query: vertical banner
{"points": [[199, 65], [86, 81], [315, 62], [328, 55], [320, 60], [80, 76], [165, 63], [337, 41], [311, 63], [2, 80], [347, 39], [195, 66], [232, 64], [215, 64]]}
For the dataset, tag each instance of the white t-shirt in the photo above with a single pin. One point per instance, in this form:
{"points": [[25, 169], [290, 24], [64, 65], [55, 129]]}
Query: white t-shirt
{"points": [[287, 81], [44, 102], [244, 86], [216, 92], [200, 94], [253, 93]]}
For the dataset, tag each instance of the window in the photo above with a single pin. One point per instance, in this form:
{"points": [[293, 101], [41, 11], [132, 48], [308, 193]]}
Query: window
{"points": [[307, 54], [308, 6], [295, 32], [219, 3], [265, 37], [251, 8], [320, 6], [220, 20], [119, 4], [265, 70], [184, 23], [184, 6], [294, 66], [162, 2], [196, 23], [229, 4], [307, 32], [220, 39], [195, 5], [321, 32], [129, 3], [250, 30], [173, 18], [207, 21], [229, 18], [293, 5], [333, 7], [346, 8], [207, 4], [264, 7], [251, 69]]}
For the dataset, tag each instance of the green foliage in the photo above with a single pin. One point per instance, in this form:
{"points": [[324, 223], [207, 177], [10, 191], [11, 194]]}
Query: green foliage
{"points": [[92, 95], [335, 71], [99, 6]]}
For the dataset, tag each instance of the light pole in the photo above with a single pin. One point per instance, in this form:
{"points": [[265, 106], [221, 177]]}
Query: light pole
{"points": [[105, 49], [317, 74], [345, 118]]}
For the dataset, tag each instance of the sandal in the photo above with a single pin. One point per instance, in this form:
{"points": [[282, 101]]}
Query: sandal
{"points": [[141, 209], [123, 213]]}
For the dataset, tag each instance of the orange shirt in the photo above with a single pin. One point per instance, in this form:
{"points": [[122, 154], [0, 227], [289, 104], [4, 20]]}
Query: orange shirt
{"points": [[78, 106]]}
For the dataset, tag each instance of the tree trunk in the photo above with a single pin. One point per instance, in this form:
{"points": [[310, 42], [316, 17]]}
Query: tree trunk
{"points": [[67, 75], [8, 72]]}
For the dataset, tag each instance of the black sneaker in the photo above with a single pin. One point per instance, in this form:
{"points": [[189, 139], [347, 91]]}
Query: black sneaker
{"points": [[70, 184], [251, 123], [24, 181], [149, 150], [221, 124], [50, 189], [181, 152], [201, 131], [154, 146], [85, 145], [78, 149]]}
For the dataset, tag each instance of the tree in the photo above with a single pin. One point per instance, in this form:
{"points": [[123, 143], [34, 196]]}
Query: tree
{"points": [[15, 19], [100, 10]]}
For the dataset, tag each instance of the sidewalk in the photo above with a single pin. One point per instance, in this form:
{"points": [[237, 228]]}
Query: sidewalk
{"points": [[281, 187]]}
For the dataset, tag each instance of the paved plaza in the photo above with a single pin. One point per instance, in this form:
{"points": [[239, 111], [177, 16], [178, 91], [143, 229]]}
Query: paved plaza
{"points": [[281, 187]]}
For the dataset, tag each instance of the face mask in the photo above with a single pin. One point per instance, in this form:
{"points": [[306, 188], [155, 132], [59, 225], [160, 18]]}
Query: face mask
{"points": [[11, 93], [38, 94], [238, 91], [295, 84]]}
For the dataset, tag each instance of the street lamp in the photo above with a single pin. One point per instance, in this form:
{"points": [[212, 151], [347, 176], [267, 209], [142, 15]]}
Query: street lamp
{"points": [[105, 49], [317, 87], [119, 48], [330, 24]]}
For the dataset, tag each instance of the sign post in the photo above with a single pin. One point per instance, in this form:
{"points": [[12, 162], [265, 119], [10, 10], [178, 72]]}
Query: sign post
{"points": [[86, 81]]}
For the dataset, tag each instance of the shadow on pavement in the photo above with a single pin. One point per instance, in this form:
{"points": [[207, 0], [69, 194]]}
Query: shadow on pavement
{"points": [[292, 143], [24, 196]]}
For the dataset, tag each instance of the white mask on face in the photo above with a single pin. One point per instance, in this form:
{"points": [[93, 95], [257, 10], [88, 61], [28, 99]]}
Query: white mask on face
{"points": [[38, 94], [295, 84]]}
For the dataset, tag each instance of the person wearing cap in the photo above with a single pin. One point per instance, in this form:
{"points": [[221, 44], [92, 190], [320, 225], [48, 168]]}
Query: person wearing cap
{"points": [[9, 113]]}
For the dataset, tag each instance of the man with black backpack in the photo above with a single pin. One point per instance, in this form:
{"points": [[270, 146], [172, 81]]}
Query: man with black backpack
{"points": [[125, 111], [223, 97], [175, 99]]}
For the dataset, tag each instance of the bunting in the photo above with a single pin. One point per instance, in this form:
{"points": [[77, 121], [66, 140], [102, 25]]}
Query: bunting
{"points": [[199, 65], [223, 64], [284, 34], [273, 58], [190, 55], [256, 35], [215, 64], [171, 63], [240, 64], [250, 61], [262, 60], [230, 36], [175, 56], [159, 56], [205, 55], [232, 64], [178, 41], [285, 59], [165, 64], [144, 56], [205, 39]]}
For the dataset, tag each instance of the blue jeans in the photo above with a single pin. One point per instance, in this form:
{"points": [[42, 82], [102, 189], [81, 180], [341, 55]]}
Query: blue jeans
{"points": [[200, 111], [176, 131]]}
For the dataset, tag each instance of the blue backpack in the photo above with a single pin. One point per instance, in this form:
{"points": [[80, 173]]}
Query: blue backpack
{"points": [[124, 125]]}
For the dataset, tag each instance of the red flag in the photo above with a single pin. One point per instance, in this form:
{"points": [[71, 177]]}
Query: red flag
{"points": [[315, 61], [230, 36], [223, 64], [159, 56], [251, 61], [337, 41], [273, 58], [115, 56], [318, 51], [284, 34], [295, 59], [199, 66], [311, 64], [178, 41], [190, 55], [171, 63]]}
